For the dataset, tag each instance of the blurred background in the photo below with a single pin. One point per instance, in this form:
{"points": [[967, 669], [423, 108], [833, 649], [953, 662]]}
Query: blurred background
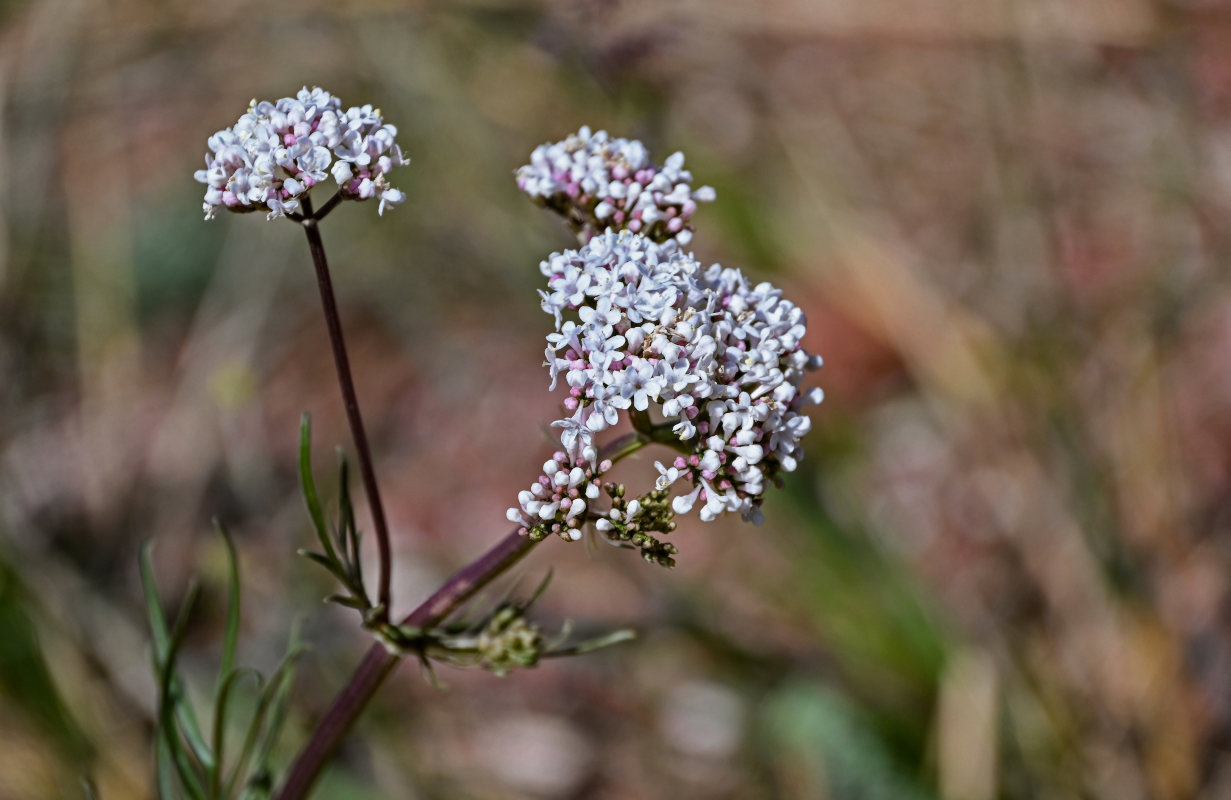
{"points": [[1003, 571]]}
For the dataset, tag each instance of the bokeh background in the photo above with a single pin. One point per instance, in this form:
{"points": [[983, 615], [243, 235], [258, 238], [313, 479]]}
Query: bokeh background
{"points": [[1003, 570]]}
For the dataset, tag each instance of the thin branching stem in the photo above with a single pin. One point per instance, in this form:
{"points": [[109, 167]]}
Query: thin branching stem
{"points": [[328, 206], [379, 662], [351, 401]]}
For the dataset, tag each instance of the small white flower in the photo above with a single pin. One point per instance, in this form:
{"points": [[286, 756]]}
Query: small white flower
{"points": [[666, 475], [574, 435], [683, 503], [389, 198]]}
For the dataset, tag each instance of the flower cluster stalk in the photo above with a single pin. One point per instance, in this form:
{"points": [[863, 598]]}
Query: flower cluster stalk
{"points": [[351, 401]]}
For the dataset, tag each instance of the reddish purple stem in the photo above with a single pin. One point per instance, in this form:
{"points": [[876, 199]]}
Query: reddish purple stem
{"points": [[379, 663]]}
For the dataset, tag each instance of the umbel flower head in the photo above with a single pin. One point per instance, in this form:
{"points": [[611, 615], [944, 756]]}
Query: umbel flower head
{"points": [[643, 327], [276, 152], [596, 182]]}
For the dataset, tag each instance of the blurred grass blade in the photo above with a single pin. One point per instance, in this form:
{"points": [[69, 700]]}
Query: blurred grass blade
{"points": [[168, 703], [538, 592], [597, 643], [27, 676], [837, 745], [221, 701], [230, 638], [162, 646], [158, 622], [267, 719], [164, 770], [284, 680]]}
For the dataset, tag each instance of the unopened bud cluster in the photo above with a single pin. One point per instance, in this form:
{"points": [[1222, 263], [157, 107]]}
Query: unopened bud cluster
{"points": [[636, 521], [276, 152], [508, 641], [596, 182]]}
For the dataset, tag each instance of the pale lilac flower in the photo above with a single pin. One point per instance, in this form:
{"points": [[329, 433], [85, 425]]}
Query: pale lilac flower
{"points": [[278, 151], [666, 475], [719, 359], [597, 182], [642, 329]]}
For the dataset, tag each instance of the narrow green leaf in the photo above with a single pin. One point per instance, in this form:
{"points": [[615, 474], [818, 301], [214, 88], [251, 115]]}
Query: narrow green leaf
{"points": [[345, 529], [429, 674], [158, 622], [227, 674], [277, 714], [534, 598], [408, 632], [191, 781], [158, 627], [349, 536], [261, 715], [347, 601], [286, 671], [465, 617], [230, 639], [259, 786], [357, 585], [308, 485], [221, 701], [346, 511], [335, 569], [185, 715], [191, 728], [566, 631], [590, 645], [164, 770]]}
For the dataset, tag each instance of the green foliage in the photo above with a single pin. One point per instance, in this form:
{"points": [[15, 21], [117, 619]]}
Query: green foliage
{"points": [[831, 749], [340, 544], [23, 669], [187, 763], [502, 639], [174, 259], [499, 640]]}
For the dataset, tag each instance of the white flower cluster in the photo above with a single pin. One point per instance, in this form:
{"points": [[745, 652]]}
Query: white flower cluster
{"points": [[597, 182], [558, 500], [719, 358], [277, 152]]}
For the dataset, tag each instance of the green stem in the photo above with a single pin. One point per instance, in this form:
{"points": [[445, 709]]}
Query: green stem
{"points": [[661, 433]]}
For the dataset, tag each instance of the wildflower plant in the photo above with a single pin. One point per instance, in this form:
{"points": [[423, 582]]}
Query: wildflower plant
{"points": [[702, 362]]}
